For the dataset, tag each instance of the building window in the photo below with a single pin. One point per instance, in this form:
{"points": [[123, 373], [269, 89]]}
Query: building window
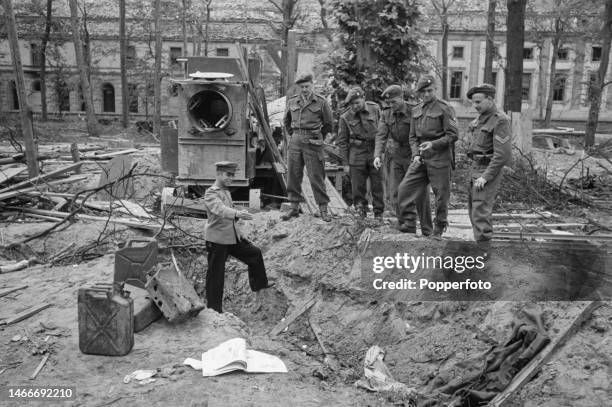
{"points": [[526, 86], [175, 52], [559, 87], [457, 52], [62, 92], [133, 98], [36, 86], [562, 54], [456, 81], [108, 98], [13, 95], [130, 56], [596, 54], [223, 52], [35, 55], [527, 53]]}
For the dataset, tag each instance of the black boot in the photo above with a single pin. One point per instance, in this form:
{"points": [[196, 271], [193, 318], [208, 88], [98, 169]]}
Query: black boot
{"points": [[325, 216], [294, 212]]}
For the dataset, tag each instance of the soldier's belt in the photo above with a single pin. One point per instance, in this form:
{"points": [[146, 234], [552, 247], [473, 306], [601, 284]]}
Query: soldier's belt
{"points": [[480, 159], [360, 142]]}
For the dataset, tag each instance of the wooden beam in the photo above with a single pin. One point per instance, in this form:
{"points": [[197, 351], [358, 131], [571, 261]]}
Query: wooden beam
{"points": [[532, 368], [6, 173], [74, 178], [552, 236], [40, 366], [299, 310], [40, 178], [26, 314], [11, 290]]}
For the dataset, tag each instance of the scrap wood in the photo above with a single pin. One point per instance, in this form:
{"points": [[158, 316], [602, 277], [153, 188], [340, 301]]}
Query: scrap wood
{"points": [[20, 265], [61, 252], [285, 322], [41, 178], [26, 314], [530, 236], [110, 155], [534, 366], [40, 366], [22, 191], [8, 291], [6, 173], [318, 333], [523, 226]]}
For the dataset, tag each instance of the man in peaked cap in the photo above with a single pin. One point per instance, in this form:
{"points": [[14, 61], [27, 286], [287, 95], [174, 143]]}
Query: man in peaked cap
{"points": [[223, 239], [490, 149], [356, 137], [392, 140], [308, 119], [433, 132]]}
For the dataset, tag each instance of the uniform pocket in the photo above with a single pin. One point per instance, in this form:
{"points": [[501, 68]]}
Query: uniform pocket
{"points": [[314, 108]]}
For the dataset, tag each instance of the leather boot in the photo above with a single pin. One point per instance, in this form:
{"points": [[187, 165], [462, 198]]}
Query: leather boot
{"points": [[325, 216], [439, 229], [294, 212]]}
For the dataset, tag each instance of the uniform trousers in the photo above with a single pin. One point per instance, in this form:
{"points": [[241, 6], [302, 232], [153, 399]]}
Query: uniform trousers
{"points": [[359, 180], [414, 186], [244, 251], [480, 204], [399, 167], [302, 153]]}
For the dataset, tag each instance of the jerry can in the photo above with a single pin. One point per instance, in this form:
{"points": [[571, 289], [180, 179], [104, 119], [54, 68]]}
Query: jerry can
{"points": [[134, 260], [106, 321]]}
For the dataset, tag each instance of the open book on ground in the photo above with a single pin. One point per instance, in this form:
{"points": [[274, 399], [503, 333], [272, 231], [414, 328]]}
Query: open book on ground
{"points": [[233, 355]]}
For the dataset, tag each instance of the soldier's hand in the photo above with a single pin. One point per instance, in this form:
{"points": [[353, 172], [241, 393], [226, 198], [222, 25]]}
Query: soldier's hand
{"points": [[346, 169], [417, 159], [425, 146], [377, 163], [244, 215], [480, 183]]}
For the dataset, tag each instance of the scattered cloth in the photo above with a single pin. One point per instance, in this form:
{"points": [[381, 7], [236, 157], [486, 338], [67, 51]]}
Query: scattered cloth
{"points": [[233, 355], [476, 381], [378, 377]]}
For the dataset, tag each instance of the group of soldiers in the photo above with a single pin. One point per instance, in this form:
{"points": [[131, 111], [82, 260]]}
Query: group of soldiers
{"points": [[417, 142]]}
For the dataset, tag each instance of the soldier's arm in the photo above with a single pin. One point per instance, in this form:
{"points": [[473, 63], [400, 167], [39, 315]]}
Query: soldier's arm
{"points": [[287, 120], [502, 149], [449, 125], [412, 138], [381, 137], [216, 206], [343, 140], [326, 119]]}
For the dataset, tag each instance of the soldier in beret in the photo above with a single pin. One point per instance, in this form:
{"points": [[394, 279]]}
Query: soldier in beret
{"points": [[433, 132], [490, 149], [356, 137], [223, 239], [308, 119], [392, 140]]}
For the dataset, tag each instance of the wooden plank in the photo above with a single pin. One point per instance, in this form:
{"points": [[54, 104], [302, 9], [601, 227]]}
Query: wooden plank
{"points": [[111, 155], [534, 366], [530, 236], [6, 173], [11, 290], [41, 178], [521, 226], [40, 366], [26, 314], [283, 324], [74, 178]]}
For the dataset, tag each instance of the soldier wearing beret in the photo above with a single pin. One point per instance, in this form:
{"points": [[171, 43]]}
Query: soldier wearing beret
{"points": [[356, 137], [223, 239], [308, 119], [392, 140], [433, 132], [490, 149]]}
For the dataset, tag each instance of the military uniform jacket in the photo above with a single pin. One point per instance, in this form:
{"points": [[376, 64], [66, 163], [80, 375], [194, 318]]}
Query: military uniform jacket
{"points": [[491, 137], [313, 115], [221, 226], [357, 134], [436, 122], [393, 132]]}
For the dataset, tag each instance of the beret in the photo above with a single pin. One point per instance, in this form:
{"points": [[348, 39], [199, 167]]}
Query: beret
{"points": [[485, 88], [226, 166], [304, 78], [353, 94], [424, 82], [393, 91]]}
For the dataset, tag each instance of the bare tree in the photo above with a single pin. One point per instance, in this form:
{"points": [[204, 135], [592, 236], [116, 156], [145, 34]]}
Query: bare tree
{"points": [[515, 39], [157, 69], [123, 65], [490, 46], [598, 85], [24, 109], [43, 60], [323, 15], [208, 2], [290, 14], [442, 8], [184, 26], [82, 64]]}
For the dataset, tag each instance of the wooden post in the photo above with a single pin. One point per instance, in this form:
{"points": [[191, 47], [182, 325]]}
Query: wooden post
{"points": [[122, 63], [292, 57], [157, 70], [74, 151], [24, 108]]}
